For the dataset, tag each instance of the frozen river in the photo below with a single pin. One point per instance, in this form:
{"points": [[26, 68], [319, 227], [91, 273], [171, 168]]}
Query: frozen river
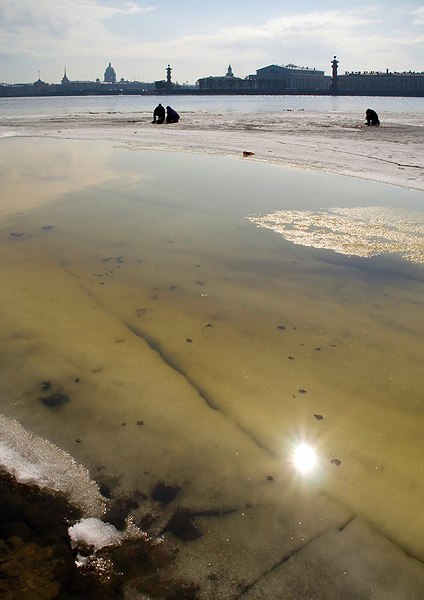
{"points": [[179, 325]]}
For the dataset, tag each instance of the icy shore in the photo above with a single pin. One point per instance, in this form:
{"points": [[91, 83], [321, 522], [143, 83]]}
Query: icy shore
{"points": [[333, 142]]}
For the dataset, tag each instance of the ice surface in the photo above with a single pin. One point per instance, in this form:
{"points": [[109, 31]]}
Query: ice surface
{"points": [[353, 563], [333, 141], [103, 303], [32, 459]]}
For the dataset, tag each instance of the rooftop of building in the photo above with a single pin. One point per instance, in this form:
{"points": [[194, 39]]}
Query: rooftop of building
{"points": [[387, 72]]}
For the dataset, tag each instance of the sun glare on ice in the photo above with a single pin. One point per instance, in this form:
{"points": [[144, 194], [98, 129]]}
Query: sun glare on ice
{"points": [[304, 458]]}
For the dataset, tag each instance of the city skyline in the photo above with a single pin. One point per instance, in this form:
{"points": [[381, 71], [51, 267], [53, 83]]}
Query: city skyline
{"points": [[198, 41]]}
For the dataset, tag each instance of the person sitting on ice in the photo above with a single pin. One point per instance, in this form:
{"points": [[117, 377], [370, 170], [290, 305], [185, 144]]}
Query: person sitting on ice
{"points": [[171, 115], [372, 117], [159, 114]]}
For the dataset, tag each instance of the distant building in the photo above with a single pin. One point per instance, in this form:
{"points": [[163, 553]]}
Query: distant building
{"points": [[64, 79], [41, 87], [271, 79], [97, 87], [110, 75], [163, 85], [223, 83], [377, 83], [229, 72], [290, 78]]}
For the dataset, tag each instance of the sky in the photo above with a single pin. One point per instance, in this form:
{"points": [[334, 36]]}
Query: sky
{"points": [[198, 39]]}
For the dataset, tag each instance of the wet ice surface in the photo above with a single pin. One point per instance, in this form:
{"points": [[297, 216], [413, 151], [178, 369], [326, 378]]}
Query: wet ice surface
{"points": [[198, 350], [33, 460], [318, 133]]}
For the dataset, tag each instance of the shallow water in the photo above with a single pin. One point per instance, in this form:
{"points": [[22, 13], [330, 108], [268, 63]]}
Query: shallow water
{"points": [[198, 349]]}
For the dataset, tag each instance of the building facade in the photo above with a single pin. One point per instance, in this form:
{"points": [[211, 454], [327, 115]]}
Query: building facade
{"points": [[290, 79], [273, 79], [223, 83], [376, 83]]}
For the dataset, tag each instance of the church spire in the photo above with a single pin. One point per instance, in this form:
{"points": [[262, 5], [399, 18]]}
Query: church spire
{"points": [[65, 78]]}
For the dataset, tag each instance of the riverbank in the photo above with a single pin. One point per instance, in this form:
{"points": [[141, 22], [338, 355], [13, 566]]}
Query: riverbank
{"points": [[333, 142]]}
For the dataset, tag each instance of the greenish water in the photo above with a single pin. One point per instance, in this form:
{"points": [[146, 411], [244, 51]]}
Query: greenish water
{"points": [[197, 349]]}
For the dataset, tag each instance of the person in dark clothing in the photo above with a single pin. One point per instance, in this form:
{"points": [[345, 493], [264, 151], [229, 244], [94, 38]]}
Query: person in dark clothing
{"points": [[159, 114], [372, 117], [171, 115]]}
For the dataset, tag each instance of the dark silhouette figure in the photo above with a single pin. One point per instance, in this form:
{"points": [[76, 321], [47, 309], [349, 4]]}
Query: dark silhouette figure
{"points": [[171, 115], [159, 114], [372, 117]]}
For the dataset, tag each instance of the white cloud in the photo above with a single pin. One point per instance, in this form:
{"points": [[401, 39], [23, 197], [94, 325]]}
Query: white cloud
{"points": [[28, 26], [134, 8], [278, 37], [87, 31], [282, 31], [419, 16]]}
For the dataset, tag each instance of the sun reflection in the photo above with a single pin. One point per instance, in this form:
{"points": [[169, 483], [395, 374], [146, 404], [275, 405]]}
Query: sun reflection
{"points": [[304, 458], [358, 231]]}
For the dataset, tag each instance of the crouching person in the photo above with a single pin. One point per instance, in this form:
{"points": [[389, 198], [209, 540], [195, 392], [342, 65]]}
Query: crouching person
{"points": [[159, 114], [171, 115], [372, 117]]}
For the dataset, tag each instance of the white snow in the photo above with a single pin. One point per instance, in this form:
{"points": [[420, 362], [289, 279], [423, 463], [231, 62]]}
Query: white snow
{"points": [[32, 459], [94, 532]]}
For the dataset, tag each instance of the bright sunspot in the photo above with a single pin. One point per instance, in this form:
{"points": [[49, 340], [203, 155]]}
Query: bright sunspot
{"points": [[304, 458]]}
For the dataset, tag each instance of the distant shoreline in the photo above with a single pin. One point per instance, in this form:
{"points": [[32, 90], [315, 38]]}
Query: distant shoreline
{"points": [[8, 93]]}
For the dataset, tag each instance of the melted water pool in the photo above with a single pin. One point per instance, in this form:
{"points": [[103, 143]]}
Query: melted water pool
{"points": [[196, 351]]}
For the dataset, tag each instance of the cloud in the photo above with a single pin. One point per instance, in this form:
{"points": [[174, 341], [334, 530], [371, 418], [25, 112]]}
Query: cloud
{"points": [[420, 16], [277, 37], [32, 27], [364, 37], [278, 32], [134, 8], [361, 38], [290, 28]]}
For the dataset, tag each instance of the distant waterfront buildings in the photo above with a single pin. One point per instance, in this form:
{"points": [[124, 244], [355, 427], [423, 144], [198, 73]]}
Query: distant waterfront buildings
{"points": [[291, 79], [376, 83], [272, 79], [68, 87]]}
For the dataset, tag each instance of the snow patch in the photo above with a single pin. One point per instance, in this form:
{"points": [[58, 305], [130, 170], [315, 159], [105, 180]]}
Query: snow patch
{"points": [[94, 533], [33, 460]]}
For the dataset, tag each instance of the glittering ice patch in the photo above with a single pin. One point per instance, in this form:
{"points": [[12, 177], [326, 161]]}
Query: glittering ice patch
{"points": [[34, 460], [94, 533], [94, 539], [360, 231]]}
